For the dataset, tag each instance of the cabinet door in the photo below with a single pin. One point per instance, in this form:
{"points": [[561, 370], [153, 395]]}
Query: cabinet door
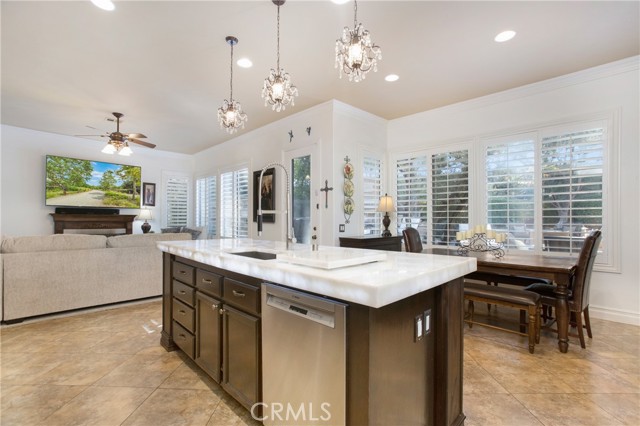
{"points": [[208, 335], [241, 370]]}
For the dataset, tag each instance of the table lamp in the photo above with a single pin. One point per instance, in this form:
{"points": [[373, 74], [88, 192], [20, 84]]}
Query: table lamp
{"points": [[386, 206], [146, 215]]}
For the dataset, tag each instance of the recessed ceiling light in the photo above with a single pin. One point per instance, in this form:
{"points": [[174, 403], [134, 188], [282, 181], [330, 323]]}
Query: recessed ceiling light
{"points": [[505, 36], [339, 1], [244, 63], [104, 4], [392, 77]]}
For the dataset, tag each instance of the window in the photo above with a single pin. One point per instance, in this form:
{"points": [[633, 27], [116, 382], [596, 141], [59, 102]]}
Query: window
{"points": [[206, 199], [510, 189], [572, 187], [234, 204], [411, 193], [177, 200], [450, 195], [371, 193]]}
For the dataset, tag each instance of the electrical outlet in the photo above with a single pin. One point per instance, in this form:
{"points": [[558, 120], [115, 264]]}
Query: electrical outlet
{"points": [[341, 227], [427, 321]]}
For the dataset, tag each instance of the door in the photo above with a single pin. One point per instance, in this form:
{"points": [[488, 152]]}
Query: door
{"points": [[301, 164], [208, 335]]}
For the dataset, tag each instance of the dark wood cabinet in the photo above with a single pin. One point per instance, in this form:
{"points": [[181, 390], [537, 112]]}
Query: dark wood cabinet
{"points": [[108, 222], [374, 242], [215, 320], [208, 353], [241, 371]]}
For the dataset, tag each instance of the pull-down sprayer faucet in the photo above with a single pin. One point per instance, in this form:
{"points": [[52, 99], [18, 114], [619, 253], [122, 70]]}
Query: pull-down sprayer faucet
{"points": [[291, 238]]}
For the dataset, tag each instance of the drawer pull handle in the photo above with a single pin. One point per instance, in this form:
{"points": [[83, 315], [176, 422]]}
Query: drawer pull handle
{"points": [[182, 292], [183, 272], [206, 281], [238, 293], [183, 336], [183, 312]]}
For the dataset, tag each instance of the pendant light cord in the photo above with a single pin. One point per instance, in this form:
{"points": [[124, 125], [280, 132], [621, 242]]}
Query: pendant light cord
{"points": [[231, 80], [355, 14], [278, 42]]}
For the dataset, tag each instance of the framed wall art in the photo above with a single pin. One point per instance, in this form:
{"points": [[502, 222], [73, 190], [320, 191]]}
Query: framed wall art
{"points": [[148, 194], [266, 194]]}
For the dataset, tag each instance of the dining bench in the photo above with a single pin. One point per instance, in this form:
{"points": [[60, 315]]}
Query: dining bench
{"points": [[523, 300]]}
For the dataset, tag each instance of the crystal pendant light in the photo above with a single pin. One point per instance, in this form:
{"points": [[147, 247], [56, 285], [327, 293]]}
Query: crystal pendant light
{"points": [[356, 54], [230, 114], [277, 90]]}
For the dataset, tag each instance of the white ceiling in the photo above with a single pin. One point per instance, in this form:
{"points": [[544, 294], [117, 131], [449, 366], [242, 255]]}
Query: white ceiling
{"points": [[165, 64]]}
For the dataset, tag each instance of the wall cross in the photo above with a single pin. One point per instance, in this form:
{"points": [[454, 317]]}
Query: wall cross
{"points": [[326, 190]]}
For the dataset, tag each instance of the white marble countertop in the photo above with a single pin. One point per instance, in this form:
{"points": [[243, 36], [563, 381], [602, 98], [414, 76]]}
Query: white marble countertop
{"points": [[373, 284]]}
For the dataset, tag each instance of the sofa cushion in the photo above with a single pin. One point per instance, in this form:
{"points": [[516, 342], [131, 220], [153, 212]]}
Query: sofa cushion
{"points": [[54, 242], [142, 240], [171, 230], [194, 232]]}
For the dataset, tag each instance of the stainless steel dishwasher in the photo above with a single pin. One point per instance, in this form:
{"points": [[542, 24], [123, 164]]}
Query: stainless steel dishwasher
{"points": [[303, 358]]}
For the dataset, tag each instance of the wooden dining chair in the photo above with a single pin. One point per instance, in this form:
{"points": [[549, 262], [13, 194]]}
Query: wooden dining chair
{"points": [[578, 297]]}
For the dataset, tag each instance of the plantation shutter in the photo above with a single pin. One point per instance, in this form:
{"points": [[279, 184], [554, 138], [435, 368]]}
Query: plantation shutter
{"points": [[234, 204], [177, 198], [450, 195], [572, 187], [411, 191], [510, 189], [371, 192], [206, 205]]}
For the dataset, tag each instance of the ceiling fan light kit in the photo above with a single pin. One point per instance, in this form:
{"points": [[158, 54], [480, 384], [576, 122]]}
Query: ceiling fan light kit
{"points": [[277, 90], [119, 142], [356, 54], [230, 114]]}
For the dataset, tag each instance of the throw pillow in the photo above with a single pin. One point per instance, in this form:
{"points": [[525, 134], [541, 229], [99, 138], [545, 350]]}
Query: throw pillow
{"points": [[171, 230], [194, 232]]}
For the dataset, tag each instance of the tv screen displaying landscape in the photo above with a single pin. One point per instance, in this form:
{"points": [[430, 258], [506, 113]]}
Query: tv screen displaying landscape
{"points": [[84, 183]]}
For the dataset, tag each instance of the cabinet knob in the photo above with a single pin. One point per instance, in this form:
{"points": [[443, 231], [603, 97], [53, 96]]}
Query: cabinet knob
{"points": [[238, 293]]}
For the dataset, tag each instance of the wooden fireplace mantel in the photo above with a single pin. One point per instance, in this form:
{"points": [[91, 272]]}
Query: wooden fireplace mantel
{"points": [[64, 221]]}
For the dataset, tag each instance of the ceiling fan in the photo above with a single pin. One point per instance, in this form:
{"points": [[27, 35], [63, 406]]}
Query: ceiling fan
{"points": [[119, 142]]}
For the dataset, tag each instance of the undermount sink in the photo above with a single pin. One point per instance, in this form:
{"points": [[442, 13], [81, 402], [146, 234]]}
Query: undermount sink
{"points": [[256, 255]]}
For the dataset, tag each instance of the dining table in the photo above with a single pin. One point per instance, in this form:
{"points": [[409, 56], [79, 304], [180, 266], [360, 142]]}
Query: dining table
{"points": [[559, 270]]}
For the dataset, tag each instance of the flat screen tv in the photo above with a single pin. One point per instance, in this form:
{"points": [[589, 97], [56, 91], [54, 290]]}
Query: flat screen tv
{"points": [[71, 182]]}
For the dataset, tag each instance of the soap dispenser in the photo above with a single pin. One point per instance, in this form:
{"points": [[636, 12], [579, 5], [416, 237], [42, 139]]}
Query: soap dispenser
{"points": [[314, 240]]}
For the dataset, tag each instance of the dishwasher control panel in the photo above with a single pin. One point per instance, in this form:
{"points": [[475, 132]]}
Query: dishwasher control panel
{"points": [[325, 318]]}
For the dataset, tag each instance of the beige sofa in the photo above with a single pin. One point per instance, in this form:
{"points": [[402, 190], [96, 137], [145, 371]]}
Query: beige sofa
{"points": [[55, 273]]}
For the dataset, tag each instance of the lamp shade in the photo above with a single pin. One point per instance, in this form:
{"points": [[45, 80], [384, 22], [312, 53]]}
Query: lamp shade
{"points": [[386, 204], [145, 214]]}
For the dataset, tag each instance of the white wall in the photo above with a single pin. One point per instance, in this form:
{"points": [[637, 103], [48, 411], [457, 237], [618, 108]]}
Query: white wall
{"points": [[612, 87], [22, 159]]}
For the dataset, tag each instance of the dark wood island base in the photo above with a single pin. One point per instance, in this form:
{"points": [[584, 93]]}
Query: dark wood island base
{"points": [[393, 377]]}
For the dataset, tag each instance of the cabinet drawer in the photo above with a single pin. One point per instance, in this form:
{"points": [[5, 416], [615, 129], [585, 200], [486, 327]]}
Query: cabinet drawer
{"points": [[184, 314], [183, 272], [183, 292], [241, 295], [209, 283], [183, 339]]}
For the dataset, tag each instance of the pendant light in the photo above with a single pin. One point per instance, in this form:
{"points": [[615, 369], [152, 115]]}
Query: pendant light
{"points": [[356, 54], [230, 114], [277, 90]]}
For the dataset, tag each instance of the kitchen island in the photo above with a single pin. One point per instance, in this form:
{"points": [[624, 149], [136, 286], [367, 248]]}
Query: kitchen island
{"points": [[403, 322]]}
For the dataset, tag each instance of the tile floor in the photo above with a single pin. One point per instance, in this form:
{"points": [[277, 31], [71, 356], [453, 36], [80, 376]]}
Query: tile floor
{"points": [[107, 368]]}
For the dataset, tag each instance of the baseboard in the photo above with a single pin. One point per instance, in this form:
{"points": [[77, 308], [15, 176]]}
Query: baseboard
{"points": [[624, 317]]}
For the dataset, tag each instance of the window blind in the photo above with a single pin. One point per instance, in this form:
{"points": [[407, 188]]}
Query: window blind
{"points": [[511, 189], [411, 192], [450, 195], [234, 204], [371, 193], [572, 188], [177, 199], [206, 205]]}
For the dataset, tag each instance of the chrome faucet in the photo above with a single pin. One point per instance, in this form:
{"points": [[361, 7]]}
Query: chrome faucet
{"points": [[291, 238]]}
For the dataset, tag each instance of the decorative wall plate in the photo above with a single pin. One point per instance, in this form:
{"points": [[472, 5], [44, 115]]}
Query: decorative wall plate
{"points": [[348, 206], [348, 171], [348, 188]]}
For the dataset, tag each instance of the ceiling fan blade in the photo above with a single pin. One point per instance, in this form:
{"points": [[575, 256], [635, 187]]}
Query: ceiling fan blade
{"points": [[136, 135], [143, 143]]}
